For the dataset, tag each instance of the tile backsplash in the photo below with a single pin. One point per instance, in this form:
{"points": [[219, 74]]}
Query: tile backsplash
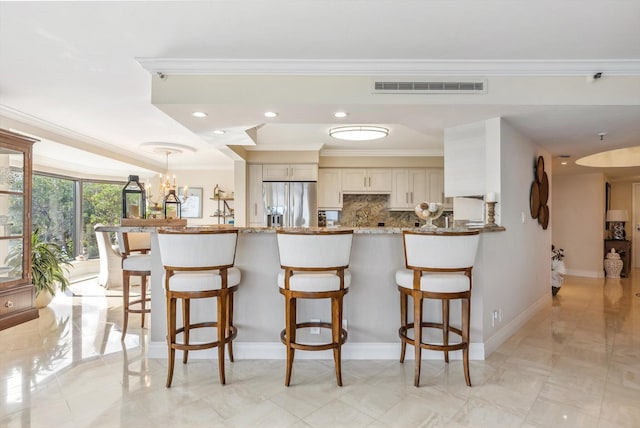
{"points": [[371, 210]]}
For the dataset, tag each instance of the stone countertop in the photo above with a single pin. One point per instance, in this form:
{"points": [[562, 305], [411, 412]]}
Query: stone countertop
{"points": [[268, 230]]}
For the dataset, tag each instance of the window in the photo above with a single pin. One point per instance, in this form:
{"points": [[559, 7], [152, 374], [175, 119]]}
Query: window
{"points": [[101, 203], [53, 210], [66, 209]]}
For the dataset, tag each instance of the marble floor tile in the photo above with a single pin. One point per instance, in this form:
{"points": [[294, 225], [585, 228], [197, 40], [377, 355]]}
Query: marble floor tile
{"points": [[574, 363]]}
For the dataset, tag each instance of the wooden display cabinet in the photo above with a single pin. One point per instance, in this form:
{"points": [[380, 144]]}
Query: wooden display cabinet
{"points": [[16, 289]]}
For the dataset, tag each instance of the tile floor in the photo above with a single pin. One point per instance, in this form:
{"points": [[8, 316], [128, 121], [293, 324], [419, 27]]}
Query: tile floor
{"points": [[575, 364]]}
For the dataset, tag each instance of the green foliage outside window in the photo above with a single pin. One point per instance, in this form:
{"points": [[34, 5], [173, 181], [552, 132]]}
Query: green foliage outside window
{"points": [[101, 203]]}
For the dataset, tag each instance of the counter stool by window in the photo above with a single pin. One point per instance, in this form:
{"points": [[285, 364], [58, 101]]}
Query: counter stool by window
{"points": [[314, 266], [438, 266], [136, 261], [198, 264]]}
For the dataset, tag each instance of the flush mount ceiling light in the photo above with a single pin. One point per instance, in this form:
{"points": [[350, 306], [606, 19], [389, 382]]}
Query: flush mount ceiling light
{"points": [[270, 114], [358, 133]]}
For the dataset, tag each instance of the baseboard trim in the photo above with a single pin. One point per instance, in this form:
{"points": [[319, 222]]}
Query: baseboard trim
{"points": [[350, 351], [586, 273], [502, 335]]}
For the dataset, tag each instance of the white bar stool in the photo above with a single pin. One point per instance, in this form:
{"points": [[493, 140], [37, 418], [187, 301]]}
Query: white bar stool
{"points": [[198, 264], [136, 261], [314, 266], [438, 266]]}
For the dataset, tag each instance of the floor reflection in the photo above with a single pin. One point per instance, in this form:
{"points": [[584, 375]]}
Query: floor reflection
{"points": [[574, 363]]}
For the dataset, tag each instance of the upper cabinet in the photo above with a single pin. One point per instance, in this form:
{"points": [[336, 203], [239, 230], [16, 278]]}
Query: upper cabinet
{"points": [[16, 289], [289, 172], [410, 187], [371, 180], [330, 189]]}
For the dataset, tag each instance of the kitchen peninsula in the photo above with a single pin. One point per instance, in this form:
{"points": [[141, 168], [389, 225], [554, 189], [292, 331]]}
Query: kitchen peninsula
{"points": [[371, 311]]}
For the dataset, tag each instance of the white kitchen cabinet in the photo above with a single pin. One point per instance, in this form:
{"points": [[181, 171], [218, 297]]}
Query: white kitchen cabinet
{"points": [[410, 187], [372, 180], [329, 189], [436, 187], [290, 172], [255, 207]]}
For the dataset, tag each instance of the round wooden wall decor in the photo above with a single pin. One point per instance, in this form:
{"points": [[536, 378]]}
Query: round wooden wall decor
{"points": [[534, 199], [539, 169], [543, 217], [544, 189], [539, 195]]}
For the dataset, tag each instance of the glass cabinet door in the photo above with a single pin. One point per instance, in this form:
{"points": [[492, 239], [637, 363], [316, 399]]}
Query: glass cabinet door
{"points": [[11, 215]]}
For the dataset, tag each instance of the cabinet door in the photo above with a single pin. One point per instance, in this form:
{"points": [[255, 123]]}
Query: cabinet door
{"points": [[419, 184], [255, 207], [303, 172], [379, 180], [275, 172], [400, 189], [436, 185], [354, 180], [329, 188]]}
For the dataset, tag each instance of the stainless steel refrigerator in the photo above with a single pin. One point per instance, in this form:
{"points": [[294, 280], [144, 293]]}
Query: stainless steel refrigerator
{"points": [[290, 203]]}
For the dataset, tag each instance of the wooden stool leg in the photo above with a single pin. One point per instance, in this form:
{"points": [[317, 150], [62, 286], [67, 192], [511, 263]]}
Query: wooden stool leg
{"points": [[143, 295], [229, 325], [290, 315], [171, 337], [466, 316], [125, 303], [336, 331], [222, 315], [186, 321], [445, 327], [404, 321], [417, 334]]}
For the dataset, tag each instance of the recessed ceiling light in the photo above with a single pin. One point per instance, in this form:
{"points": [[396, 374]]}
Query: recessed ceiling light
{"points": [[200, 114], [564, 163], [358, 133], [340, 114], [219, 132], [270, 114]]}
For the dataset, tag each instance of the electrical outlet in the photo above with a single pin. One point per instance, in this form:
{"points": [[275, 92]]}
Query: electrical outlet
{"points": [[494, 318], [315, 330], [500, 315]]}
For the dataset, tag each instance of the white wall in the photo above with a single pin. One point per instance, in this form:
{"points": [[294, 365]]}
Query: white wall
{"points": [[518, 260], [578, 219], [513, 268]]}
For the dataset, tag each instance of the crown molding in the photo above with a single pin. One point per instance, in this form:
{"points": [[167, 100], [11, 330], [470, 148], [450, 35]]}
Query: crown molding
{"points": [[43, 129], [391, 67], [379, 153]]}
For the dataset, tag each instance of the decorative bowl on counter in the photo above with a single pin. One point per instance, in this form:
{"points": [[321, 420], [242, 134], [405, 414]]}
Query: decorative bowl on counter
{"points": [[429, 211]]}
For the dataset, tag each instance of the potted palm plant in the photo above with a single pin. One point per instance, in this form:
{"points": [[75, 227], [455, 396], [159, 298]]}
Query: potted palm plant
{"points": [[48, 267]]}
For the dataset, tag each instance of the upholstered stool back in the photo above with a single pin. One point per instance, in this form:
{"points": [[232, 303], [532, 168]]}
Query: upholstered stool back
{"points": [[315, 250], [440, 251], [198, 249]]}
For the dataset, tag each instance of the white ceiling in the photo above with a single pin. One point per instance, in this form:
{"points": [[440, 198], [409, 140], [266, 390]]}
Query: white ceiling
{"points": [[73, 68]]}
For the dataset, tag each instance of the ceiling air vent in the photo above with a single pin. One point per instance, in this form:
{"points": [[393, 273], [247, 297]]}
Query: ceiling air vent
{"points": [[443, 87]]}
